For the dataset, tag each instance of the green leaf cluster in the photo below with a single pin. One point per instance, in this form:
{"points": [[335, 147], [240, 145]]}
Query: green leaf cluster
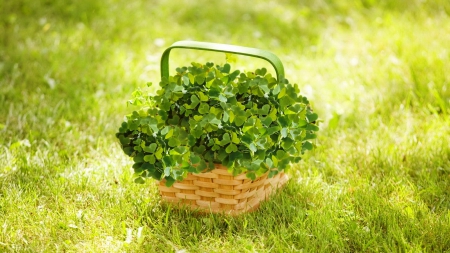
{"points": [[205, 114]]}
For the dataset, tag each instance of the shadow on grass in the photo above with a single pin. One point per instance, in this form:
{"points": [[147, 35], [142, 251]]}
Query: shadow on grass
{"points": [[283, 222], [303, 217]]}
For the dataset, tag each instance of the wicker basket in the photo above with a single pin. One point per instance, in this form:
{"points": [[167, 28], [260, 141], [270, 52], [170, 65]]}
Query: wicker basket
{"points": [[218, 191]]}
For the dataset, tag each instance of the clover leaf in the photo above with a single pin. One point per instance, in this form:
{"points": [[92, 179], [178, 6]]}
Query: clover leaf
{"points": [[205, 114]]}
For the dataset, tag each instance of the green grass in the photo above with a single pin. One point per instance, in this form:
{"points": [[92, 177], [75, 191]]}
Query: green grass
{"points": [[377, 73]]}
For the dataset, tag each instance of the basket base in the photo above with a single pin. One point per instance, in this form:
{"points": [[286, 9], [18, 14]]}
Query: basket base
{"points": [[218, 191]]}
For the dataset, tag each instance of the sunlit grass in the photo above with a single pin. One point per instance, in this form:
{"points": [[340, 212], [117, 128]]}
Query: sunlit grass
{"points": [[375, 71]]}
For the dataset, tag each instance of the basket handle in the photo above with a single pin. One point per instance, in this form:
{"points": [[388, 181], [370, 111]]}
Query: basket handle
{"points": [[248, 51]]}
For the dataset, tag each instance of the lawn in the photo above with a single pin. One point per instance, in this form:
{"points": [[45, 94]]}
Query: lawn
{"points": [[376, 72]]}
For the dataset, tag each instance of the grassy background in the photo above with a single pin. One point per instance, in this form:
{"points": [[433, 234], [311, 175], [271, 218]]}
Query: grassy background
{"points": [[376, 72]]}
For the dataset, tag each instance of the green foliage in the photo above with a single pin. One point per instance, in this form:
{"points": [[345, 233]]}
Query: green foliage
{"points": [[250, 122]]}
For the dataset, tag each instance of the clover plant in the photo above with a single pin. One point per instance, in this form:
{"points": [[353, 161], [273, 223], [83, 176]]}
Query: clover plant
{"points": [[207, 114]]}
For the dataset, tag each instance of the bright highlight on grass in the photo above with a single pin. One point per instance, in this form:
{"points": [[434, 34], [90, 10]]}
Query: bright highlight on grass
{"points": [[377, 73]]}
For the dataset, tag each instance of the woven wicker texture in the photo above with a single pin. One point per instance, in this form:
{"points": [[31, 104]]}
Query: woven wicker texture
{"points": [[218, 191]]}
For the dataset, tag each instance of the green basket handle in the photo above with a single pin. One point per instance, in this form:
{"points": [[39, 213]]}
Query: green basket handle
{"points": [[248, 51]]}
